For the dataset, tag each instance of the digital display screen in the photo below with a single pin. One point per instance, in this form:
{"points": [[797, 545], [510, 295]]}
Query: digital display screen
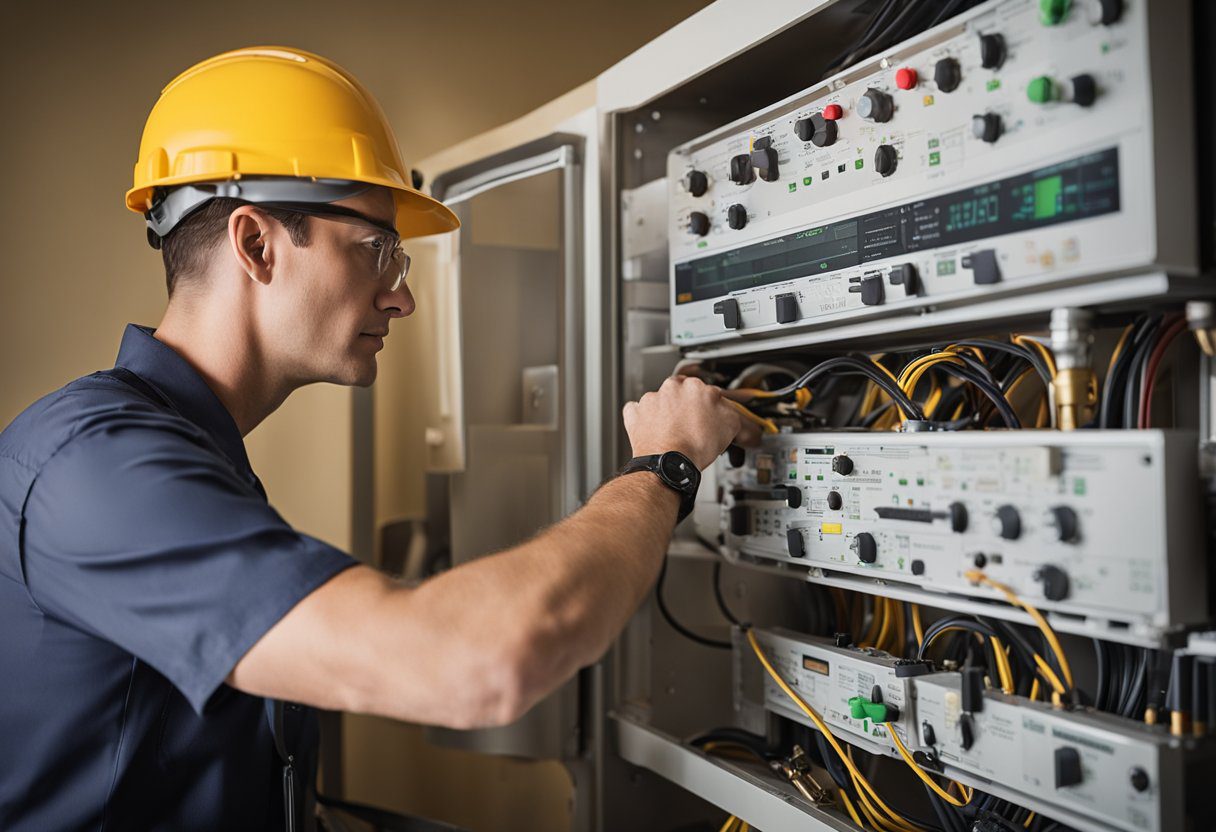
{"points": [[1087, 186]]}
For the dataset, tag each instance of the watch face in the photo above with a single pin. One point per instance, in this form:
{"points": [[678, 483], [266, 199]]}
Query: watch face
{"points": [[676, 469]]}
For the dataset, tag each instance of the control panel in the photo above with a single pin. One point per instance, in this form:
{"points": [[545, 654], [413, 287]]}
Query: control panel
{"points": [[1102, 525], [1020, 145], [855, 690], [1090, 770]]}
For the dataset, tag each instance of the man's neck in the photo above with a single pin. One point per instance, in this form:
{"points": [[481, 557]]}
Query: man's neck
{"points": [[229, 356]]}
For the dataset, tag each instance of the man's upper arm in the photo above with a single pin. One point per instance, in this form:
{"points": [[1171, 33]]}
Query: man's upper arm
{"points": [[138, 534]]}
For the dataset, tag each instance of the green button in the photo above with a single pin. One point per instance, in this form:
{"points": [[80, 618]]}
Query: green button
{"points": [[993, 84], [806, 180], [793, 187], [903, 482], [1041, 90], [862, 708], [793, 475], [859, 163], [933, 143], [1052, 12], [935, 158]]}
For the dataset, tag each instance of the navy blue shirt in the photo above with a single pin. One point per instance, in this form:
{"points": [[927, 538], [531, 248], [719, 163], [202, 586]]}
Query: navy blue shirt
{"points": [[139, 561]]}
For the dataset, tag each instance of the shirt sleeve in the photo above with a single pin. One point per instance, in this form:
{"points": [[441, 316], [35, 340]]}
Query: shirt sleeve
{"points": [[137, 532]]}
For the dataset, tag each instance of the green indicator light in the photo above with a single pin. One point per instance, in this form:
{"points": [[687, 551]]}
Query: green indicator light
{"points": [[793, 475], [1105, 47], [935, 158], [823, 266], [920, 480], [903, 481], [1053, 12], [993, 84], [933, 143], [793, 187], [808, 476], [945, 267], [1041, 90], [820, 477], [1078, 486], [1047, 194], [702, 244], [807, 180], [859, 163]]}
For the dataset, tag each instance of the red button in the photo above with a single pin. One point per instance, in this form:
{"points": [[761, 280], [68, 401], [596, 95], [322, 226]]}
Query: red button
{"points": [[832, 112], [905, 78]]}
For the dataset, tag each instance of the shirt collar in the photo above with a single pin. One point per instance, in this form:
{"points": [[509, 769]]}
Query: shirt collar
{"points": [[171, 375]]}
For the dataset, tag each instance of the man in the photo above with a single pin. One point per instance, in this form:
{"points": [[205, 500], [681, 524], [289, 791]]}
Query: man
{"points": [[155, 608]]}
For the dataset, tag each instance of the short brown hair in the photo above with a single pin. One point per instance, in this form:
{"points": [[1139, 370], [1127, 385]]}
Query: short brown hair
{"points": [[186, 247]]}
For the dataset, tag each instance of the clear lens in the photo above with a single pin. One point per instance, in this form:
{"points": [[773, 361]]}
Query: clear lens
{"points": [[394, 263]]}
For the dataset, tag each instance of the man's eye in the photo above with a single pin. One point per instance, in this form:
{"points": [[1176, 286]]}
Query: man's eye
{"points": [[377, 244]]}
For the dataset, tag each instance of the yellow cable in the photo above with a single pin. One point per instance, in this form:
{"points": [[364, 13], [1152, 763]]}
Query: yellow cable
{"points": [[929, 781], [901, 632], [746, 826], [848, 805], [1003, 668], [885, 629], [897, 823], [1031, 343], [1122, 342], [979, 577], [917, 627], [1029, 819], [1034, 690], [729, 825], [858, 777], [767, 425]]}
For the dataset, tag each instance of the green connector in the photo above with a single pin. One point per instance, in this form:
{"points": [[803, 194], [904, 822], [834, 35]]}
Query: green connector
{"points": [[862, 708]]}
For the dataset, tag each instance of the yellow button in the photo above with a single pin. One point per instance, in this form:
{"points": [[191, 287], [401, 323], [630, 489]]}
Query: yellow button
{"points": [[829, 528]]}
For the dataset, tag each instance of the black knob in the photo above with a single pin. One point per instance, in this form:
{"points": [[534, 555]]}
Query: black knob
{"points": [[741, 170], [927, 733], [875, 105], [816, 129], [905, 275], [698, 223], [1054, 581], [764, 158], [736, 455], [966, 732], [992, 51], [987, 127], [736, 216], [793, 543], [947, 74], [871, 289], [865, 547], [1084, 90], [698, 182], [842, 465], [1139, 778], [972, 689], [793, 496], [958, 517], [979, 560], [918, 567], [835, 501], [1008, 522], [885, 159], [1105, 12], [1064, 520]]}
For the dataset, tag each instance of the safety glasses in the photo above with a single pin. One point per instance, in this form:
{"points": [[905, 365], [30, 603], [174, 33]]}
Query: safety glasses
{"points": [[392, 263]]}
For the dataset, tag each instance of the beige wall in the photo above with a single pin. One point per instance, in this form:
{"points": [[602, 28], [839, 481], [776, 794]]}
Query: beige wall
{"points": [[77, 80]]}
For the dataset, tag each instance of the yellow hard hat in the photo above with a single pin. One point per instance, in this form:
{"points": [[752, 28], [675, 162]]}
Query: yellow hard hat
{"points": [[275, 114]]}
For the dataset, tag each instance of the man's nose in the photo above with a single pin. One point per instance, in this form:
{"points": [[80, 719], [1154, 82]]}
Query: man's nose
{"points": [[398, 304]]}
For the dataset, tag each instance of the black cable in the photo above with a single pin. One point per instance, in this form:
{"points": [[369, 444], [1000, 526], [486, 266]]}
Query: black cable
{"points": [[1016, 350], [950, 821], [854, 365], [1116, 378], [1126, 674], [676, 625], [1136, 380], [1103, 676], [1132, 705], [725, 610]]}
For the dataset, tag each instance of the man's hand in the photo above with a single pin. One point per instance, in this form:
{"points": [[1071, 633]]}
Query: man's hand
{"points": [[689, 416]]}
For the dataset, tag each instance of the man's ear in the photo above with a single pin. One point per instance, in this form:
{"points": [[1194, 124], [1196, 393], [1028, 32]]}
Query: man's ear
{"points": [[249, 238]]}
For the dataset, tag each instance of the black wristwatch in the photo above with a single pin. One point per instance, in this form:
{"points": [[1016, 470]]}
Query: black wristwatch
{"points": [[674, 470]]}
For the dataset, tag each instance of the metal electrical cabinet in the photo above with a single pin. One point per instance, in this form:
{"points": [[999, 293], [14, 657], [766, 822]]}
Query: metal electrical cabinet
{"points": [[1016, 172], [942, 251]]}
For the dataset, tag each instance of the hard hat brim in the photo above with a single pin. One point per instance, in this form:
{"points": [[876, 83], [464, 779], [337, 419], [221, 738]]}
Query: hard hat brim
{"points": [[418, 215]]}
